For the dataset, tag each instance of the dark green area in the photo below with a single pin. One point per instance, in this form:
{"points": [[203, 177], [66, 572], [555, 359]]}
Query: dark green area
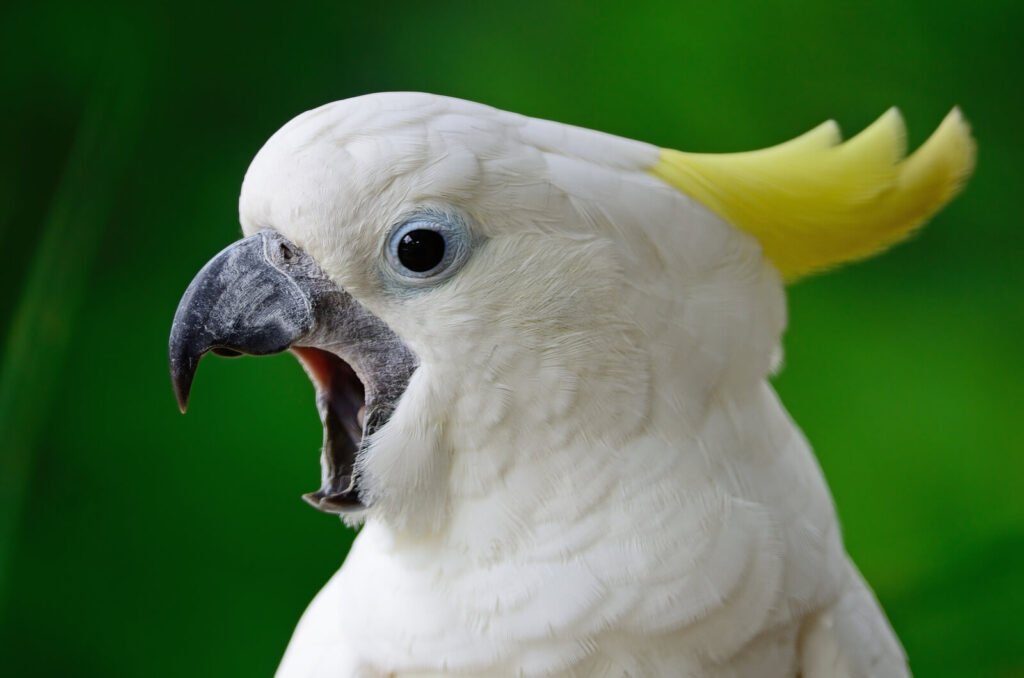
{"points": [[137, 542]]}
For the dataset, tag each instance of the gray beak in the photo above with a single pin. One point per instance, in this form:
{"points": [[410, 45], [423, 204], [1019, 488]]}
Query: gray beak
{"points": [[264, 295]]}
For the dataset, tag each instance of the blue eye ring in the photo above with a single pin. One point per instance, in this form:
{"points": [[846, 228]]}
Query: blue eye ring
{"points": [[454, 235]]}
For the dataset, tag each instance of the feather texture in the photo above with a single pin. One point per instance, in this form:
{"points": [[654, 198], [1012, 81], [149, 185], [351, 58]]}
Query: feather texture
{"points": [[589, 473]]}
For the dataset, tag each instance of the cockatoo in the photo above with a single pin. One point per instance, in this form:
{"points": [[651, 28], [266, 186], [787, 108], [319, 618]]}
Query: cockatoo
{"points": [[541, 357]]}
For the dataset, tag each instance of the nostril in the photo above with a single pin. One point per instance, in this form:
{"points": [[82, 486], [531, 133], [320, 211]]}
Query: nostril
{"points": [[286, 252]]}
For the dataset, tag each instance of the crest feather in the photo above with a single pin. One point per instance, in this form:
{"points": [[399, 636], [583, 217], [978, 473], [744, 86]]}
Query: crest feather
{"points": [[814, 202]]}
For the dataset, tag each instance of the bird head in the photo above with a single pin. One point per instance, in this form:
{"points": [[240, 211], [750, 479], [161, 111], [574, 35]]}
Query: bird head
{"points": [[469, 289]]}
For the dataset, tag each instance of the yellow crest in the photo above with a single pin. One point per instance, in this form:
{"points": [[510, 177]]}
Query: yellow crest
{"points": [[816, 201]]}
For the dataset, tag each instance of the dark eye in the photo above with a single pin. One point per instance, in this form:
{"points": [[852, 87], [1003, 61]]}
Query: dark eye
{"points": [[429, 247], [421, 250]]}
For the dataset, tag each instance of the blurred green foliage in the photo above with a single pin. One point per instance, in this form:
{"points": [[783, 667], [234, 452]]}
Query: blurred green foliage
{"points": [[136, 542]]}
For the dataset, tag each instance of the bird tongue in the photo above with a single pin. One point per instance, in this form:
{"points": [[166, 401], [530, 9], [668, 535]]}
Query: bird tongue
{"points": [[341, 402]]}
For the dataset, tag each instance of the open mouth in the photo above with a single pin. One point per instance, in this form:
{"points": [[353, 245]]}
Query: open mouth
{"points": [[341, 402], [264, 295]]}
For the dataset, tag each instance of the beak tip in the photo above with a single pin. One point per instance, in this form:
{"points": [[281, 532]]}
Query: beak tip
{"points": [[337, 503], [181, 382]]}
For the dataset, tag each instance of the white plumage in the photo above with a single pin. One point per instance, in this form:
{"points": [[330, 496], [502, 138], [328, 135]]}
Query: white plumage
{"points": [[589, 474]]}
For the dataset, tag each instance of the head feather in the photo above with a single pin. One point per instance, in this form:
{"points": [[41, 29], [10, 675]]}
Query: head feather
{"points": [[814, 202]]}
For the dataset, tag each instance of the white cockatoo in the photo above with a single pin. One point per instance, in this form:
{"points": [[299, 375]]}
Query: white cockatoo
{"points": [[541, 356]]}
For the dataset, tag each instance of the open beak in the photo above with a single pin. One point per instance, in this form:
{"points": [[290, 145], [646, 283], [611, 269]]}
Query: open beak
{"points": [[264, 295]]}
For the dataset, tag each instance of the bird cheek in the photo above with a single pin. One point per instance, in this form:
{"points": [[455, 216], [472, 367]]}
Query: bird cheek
{"points": [[406, 470]]}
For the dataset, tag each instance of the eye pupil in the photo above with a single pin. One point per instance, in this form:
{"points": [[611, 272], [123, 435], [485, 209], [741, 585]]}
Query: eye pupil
{"points": [[421, 250]]}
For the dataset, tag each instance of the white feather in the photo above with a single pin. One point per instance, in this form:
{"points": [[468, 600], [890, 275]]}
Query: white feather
{"points": [[589, 474]]}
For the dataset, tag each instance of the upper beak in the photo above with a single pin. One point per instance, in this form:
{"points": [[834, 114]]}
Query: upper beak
{"points": [[265, 295], [240, 302]]}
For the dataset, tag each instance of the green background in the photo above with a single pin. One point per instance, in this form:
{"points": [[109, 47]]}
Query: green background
{"points": [[137, 542]]}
